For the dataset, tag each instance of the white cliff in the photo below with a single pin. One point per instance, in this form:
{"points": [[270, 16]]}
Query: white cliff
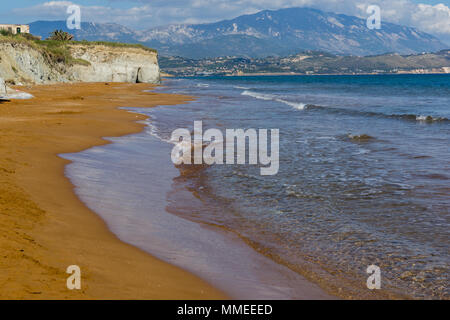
{"points": [[3, 88], [114, 64], [21, 63]]}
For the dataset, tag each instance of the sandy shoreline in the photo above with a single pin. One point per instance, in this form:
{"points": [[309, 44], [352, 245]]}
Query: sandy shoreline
{"points": [[44, 227]]}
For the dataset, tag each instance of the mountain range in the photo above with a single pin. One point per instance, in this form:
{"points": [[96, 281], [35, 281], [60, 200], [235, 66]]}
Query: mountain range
{"points": [[266, 33]]}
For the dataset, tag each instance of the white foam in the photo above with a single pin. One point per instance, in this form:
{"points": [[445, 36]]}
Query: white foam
{"points": [[265, 96], [154, 131], [295, 105], [261, 96], [421, 118], [429, 118]]}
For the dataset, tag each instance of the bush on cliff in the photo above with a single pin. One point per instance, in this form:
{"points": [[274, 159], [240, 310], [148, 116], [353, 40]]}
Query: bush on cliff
{"points": [[59, 35], [57, 52]]}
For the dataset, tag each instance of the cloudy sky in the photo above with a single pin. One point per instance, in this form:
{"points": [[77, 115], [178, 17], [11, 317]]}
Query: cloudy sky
{"points": [[428, 15]]}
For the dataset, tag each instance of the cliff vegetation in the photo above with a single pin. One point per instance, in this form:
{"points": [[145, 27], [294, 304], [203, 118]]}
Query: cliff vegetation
{"points": [[25, 58]]}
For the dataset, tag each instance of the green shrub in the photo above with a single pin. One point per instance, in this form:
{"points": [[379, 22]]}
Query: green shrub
{"points": [[5, 33], [29, 36], [57, 51], [59, 35], [114, 44]]}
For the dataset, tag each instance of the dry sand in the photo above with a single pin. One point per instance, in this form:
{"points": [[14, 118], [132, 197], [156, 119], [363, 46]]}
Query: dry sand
{"points": [[44, 227]]}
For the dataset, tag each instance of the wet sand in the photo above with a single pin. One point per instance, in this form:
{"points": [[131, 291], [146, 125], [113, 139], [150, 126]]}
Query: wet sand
{"points": [[44, 227], [131, 184]]}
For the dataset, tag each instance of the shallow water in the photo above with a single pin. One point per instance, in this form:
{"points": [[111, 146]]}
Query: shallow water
{"points": [[364, 176], [127, 183]]}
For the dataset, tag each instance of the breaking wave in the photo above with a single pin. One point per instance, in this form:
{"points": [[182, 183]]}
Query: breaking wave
{"points": [[360, 137], [409, 117], [271, 97], [302, 106], [430, 119]]}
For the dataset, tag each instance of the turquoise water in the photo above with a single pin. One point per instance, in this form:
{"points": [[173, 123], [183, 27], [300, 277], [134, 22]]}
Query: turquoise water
{"points": [[364, 176]]}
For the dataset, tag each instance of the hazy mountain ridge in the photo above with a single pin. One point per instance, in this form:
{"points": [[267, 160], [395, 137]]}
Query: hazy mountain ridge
{"points": [[89, 31], [288, 31], [281, 32]]}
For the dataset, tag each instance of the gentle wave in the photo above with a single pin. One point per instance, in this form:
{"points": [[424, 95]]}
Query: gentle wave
{"points": [[302, 106], [411, 117], [271, 97], [154, 131]]}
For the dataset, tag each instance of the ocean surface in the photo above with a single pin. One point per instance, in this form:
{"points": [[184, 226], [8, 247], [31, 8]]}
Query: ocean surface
{"points": [[364, 179]]}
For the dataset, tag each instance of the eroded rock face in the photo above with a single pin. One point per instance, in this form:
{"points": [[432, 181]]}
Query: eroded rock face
{"points": [[148, 74], [115, 64], [2, 87], [21, 63]]}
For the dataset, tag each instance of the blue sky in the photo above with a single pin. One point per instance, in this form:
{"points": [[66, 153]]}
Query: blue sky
{"points": [[431, 16]]}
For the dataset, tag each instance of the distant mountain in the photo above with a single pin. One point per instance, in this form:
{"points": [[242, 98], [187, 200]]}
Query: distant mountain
{"points": [[266, 33], [287, 31]]}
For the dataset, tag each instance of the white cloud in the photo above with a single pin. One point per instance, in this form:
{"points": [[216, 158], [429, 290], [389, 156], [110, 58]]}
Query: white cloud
{"points": [[432, 18], [148, 13], [56, 10]]}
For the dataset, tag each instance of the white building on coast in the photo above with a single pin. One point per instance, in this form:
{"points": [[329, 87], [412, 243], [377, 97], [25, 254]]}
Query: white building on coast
{"points": [[15, 28]]}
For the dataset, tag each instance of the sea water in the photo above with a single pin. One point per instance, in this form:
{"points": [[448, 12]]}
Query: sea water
{"points": [[364, 176]]}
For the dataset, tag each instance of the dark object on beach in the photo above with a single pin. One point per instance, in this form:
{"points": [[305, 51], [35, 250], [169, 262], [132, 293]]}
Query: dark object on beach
{"points": [[5, 89]]}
